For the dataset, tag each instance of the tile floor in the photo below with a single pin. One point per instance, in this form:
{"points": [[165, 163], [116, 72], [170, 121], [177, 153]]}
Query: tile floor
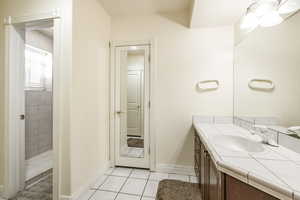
{"points": [[130, 184]]}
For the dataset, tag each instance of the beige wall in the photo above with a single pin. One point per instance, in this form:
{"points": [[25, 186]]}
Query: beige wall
{"points": [[1, 99], [184, 57], [30, 7], [270, 53], [90, 93]]}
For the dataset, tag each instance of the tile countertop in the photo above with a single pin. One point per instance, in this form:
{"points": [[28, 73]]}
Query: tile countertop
{"points": [[276, 170]]}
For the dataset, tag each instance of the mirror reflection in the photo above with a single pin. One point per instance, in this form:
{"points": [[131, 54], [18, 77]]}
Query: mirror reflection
{"points": [[132, 101], [267, 68]]}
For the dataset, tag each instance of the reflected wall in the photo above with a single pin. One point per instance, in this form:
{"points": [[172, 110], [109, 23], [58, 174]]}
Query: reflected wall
{"points": [[270, 54]]}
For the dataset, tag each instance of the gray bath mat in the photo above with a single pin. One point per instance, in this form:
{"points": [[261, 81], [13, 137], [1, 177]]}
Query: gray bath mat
{"points": [[178, 190], [135, 142]]}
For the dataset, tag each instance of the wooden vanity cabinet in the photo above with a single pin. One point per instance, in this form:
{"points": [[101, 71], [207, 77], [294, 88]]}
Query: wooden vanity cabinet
{"points": [[237, 190], [215, 185], [210, 179], [215, 182]]}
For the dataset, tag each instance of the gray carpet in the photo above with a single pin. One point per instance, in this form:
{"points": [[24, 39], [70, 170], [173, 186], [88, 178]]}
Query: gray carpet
{"points": [[178, 190], [40, 191]]}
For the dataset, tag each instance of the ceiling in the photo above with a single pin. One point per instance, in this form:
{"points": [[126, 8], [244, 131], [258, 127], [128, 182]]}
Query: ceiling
{"points": [[143, 7], [207, 13]]}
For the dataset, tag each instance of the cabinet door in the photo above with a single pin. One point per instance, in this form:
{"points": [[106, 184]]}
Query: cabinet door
{"points": [[237, 190], [197, 156], [203, 173], [216, 182]]}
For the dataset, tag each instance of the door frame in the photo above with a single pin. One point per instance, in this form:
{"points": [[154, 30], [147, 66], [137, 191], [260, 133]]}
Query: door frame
{"points": [[152, 118], [14, 158]]}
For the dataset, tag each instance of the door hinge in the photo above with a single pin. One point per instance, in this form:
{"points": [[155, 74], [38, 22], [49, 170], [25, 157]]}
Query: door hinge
{"points": [[149, 104], [149, 58], [149, 150]]}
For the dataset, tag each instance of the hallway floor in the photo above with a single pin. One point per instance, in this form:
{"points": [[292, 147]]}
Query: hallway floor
{"points": [[130, 184]]}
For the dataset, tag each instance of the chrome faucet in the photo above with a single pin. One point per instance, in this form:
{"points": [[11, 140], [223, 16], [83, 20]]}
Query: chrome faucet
{"points": [[263, 133]]}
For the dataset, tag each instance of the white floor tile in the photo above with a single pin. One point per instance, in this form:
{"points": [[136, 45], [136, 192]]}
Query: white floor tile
{"points": [[139, 173], [147, 198], [193, 179], [158, 176], [109, 171], [134, 186], [99, 182], [179, 177], [151, 189], [104, 195], [121, 172], [86, 195], [113, 183], [127, 197]]}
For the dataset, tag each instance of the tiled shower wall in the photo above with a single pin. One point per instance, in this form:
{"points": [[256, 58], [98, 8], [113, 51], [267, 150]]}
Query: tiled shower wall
{"points": [[38, 123]]}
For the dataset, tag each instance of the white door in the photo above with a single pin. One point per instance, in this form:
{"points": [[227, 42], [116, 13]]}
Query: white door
{"points": [[131, 107], [134, 103], [15, 110]]}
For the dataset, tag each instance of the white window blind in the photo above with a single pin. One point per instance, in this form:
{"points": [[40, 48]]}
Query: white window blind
{"points": [[38, 69]]}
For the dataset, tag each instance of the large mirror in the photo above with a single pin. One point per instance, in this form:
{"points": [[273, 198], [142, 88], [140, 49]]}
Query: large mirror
{"points": [[267, 78], [132, 102]]}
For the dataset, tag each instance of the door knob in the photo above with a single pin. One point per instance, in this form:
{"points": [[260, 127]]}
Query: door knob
{"points": [[22, 117], [120, 112]]}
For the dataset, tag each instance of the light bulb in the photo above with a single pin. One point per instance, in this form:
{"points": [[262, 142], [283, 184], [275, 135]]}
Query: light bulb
{"points": [[263, 7], [249, 21], [270, 19]]}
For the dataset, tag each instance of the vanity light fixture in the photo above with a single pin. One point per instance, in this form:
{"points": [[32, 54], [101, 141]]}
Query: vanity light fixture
{"points": [[262, 12], [289, 6]]}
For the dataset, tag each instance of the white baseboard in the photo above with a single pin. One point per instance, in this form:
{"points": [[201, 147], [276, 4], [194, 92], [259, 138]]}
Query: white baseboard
{"points": [[64, 197], [83, 189], [176, 169]]}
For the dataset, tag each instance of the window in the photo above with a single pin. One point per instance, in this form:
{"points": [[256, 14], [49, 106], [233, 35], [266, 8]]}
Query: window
{"points": [[38, 69]]}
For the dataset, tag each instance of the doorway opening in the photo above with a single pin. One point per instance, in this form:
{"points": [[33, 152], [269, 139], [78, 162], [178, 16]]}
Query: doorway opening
{"points": [[31, 132]]}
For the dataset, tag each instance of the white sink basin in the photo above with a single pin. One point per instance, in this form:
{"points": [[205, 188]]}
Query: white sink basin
{"points": [[237, 143]]}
